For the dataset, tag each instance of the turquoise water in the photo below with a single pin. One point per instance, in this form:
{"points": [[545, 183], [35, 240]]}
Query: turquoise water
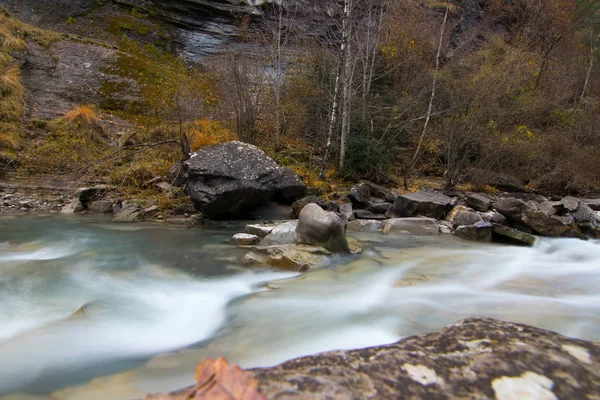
{"points": [[157, 300]]}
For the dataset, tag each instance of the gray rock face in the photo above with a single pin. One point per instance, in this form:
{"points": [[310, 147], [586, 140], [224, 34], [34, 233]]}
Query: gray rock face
{"points": [[412, 226], [321, 228], [479, 202], [56, 79], [426, 204], [472, 359], [232, 178]]}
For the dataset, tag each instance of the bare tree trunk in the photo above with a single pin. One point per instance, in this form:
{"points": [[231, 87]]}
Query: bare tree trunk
{"points": [[347, 81], [415, 157], [332, 122]]}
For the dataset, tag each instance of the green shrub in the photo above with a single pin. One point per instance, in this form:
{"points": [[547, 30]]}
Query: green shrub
{"points": [[366, 158]]}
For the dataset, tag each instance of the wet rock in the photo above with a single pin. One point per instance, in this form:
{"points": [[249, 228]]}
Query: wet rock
{"points": [[100, 207], [478, 232], [259, 230], [413, 226], [479, 202], [321, 228], [553, 226], [363, 193], [183, 209], [130, 213], [365, 225], [494, 217], [359, 195], [504, 234], [583, 215], [253, 258], [231, 178], [295, 258], [446, 227], [244, 239], [378, 207], [354, 246], [366, 214], [299, 204], [73, 207], [475, 358], [283, 233], [513, 209], [425, 204], [347, 211], [465, 217], [379, 192], [550, 207]]}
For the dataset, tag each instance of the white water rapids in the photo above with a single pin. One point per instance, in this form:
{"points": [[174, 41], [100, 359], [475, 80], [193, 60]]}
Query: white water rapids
{"points": [[159, 300]]}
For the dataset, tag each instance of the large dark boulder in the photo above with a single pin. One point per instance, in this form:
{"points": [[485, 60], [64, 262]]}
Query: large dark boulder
{"points": [[426, 204], [477, 358], [232, 178], [318, 227]]}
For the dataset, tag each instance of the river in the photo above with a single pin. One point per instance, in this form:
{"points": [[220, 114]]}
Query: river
{"points": [[155, 300]]}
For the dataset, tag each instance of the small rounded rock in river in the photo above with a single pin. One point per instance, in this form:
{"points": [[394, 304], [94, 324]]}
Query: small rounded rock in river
{"points": [[321, 228], [244, 239]]}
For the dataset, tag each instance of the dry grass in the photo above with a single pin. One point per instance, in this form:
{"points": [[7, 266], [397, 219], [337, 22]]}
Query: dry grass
{"points": [[10, 42], [84, 116], [207, 132]]}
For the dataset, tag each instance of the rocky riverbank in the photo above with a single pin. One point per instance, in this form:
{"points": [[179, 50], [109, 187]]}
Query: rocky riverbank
{"points": [[474, 358]]}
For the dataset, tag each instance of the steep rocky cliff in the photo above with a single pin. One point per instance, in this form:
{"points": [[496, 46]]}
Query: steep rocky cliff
{"points": [[79, 67]]}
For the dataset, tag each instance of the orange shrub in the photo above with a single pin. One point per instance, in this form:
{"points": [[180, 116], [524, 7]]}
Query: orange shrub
{"points": [[206, 132]]}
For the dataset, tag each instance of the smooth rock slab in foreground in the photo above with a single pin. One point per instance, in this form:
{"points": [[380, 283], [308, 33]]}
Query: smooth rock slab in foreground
{"points": [[472, 359]]}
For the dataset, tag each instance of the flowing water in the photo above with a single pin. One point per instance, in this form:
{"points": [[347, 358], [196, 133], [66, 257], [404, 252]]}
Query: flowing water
{"points": [[84, 299]]}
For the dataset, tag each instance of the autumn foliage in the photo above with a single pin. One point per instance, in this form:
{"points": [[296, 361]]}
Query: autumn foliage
{"points": [[217, 380]]}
